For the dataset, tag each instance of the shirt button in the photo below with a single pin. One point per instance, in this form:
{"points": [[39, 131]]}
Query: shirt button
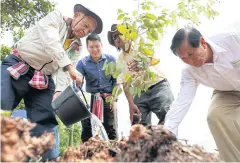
{"points": [[98, 70]]}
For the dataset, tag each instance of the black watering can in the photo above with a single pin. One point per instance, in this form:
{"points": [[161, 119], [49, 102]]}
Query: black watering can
{"points": [[70, 107]]}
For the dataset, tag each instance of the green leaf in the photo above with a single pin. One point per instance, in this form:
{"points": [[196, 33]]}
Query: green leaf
{"points": [[151, 16], [149, 35], [133, 91], [119, 91], [154, 34], [133, 35], [134, 13], [160, 30], [127, 77], [120, 17], [115, 90], [149, 52], [31, 4], [109, 99], [153, 76], [105, 65], [148, 44], [107, 71], [143, 26], [141, 42], [148, 23], [22, 12], [151, 3], [195, 17], [139, 91], [116, 73], [112, 67], [122, 29], [119, 11], [165, 10], [181, 5]]}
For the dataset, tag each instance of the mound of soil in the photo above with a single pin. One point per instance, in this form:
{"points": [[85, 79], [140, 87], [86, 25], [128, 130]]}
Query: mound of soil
{"points": [[16, 143], [145, 144]]}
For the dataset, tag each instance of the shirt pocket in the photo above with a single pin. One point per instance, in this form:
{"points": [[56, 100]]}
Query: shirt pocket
{"points": [[91, 74], [90, 78]]}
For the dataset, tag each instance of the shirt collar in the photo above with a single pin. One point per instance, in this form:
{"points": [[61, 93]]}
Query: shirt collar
{"points": [[89, 58], [216, 49]]}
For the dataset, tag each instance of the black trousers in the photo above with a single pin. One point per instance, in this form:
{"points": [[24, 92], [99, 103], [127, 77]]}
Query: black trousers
{"points": [[37, 102], [108, 123], [156, 99]]}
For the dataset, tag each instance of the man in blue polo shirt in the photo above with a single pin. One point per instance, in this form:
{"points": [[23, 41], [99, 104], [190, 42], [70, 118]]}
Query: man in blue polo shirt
{"points": [[99, 85]]}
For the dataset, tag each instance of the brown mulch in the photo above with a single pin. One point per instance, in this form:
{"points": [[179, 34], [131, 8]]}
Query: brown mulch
{"points": [[17, 145], [145, 144]]}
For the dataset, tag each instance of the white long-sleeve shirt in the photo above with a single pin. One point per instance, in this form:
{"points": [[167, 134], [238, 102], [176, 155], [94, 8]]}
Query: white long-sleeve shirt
{"points": [[223, 74]]}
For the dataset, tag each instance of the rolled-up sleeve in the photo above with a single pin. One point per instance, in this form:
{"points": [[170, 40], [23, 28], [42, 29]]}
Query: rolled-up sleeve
{"points": [[62, 80], [48, 29], [181, 105]]}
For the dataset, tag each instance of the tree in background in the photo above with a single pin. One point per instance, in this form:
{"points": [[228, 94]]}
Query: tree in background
{"points": [[23, 13], [18, 15], [66, 139], [144, 27], [4, 51]]}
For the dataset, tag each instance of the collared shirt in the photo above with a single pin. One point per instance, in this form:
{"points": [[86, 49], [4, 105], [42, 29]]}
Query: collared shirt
{"points": [[122, 61], [42, 46], [223, 74], [96, 79]]}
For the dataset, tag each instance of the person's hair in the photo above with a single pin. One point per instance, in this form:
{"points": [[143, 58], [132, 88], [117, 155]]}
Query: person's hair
{"points": [[93, 37], [193, 37]]}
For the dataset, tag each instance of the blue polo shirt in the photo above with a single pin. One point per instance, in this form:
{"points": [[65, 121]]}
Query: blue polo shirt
{"points": [[96, 80]]}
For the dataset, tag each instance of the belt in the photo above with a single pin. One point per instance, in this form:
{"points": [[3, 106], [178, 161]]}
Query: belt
{"points": [[162, 81], [104, 95]]}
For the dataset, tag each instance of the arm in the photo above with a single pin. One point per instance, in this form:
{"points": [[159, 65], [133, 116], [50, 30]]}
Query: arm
{"points": [[48, 28], [133, 109], [62, 80], [182, 104]]}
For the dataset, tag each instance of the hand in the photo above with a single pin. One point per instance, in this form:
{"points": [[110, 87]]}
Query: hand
{"points": [[133, 110], [113, 106], [56, 94], [132, 66], [169, 133], [75, 75]]}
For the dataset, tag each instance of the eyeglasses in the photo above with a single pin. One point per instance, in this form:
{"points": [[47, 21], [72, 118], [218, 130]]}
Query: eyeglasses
{"points": [[116, 37]]}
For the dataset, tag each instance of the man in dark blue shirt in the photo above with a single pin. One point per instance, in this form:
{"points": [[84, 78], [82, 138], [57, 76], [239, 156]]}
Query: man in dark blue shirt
{"points": [[99, 85]]}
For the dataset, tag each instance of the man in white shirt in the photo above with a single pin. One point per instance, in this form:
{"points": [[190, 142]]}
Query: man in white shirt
{"points": [[213, 62]]}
